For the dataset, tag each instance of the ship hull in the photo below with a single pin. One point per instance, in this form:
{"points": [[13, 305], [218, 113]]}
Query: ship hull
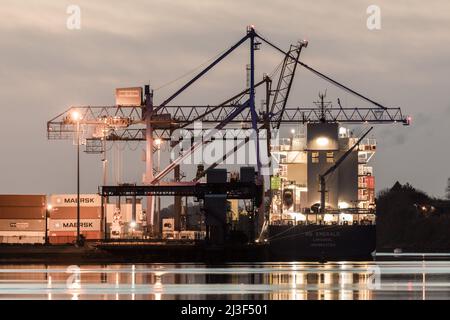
{"points": [[319, 242]]}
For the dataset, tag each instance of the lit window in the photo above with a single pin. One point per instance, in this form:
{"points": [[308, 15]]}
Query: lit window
{"points": [[315, 157], [330, 157]]}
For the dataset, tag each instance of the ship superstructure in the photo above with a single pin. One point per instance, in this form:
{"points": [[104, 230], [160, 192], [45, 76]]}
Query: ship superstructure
{"points": [[310, 151], [297, 194]]}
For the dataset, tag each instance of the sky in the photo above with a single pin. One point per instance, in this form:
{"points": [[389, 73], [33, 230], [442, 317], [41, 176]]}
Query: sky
{"points": [[46, 68]]}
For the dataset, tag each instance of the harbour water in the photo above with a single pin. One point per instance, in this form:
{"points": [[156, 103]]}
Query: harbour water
{"points": [[346, 280]]}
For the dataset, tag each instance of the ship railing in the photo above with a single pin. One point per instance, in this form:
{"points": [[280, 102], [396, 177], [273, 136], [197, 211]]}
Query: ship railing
{"points": [[352, 216]]}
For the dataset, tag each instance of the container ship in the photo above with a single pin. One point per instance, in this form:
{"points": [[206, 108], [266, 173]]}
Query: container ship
{"points": [[345, 228], [298, 225]]}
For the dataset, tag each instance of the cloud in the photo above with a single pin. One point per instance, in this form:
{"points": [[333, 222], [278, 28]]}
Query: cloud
{"points": [[46, 68]]}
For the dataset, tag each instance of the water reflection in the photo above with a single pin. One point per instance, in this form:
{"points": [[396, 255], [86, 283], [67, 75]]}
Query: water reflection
{"points": [[299, 281]]}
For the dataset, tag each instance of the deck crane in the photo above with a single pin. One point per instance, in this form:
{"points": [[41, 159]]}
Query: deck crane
{"points": [[285, 81]]}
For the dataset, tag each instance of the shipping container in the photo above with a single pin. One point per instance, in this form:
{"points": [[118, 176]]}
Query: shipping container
{"points": [[247, 174], [371, 182], [22, 200], [71, 212], [21, 225], [69, 237], [62, 239], [22, 233], [70, 225], [22, 206], [191, 235], [168, 224], [216, 176], [170, 235], [22, 212], [22, 237], [70, 200]]}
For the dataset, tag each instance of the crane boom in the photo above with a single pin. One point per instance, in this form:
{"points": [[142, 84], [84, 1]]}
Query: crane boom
{"points": [[285, 83], [194, 147]]}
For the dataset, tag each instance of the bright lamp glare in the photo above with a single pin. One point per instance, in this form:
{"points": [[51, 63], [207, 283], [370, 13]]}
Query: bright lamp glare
{"points": [[342, 131], [322, 141], [346, 217], [157, 142], [75, 115], [132, 224], [343, 205], [299, 216], [328, 217]]}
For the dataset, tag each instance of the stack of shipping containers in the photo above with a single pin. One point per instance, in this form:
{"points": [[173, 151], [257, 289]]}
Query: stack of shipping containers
{"points": [[62, 224], [22, 218], [371, 190]]}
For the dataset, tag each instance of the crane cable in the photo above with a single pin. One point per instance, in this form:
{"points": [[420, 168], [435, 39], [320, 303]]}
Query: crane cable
{"points": [[277, 68], [323, 76], [189, 72]]}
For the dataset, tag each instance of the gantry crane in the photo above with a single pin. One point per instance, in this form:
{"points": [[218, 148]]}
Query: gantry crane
{"points": [[148, 122]]}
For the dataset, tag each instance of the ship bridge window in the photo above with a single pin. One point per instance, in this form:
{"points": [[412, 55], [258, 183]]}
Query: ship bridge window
{"points": [[315, 157], [330, 157]]}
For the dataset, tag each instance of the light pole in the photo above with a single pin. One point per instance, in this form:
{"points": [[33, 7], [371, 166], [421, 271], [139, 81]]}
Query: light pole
{"points": [[47, 213], [76, 117], [158, 143]]}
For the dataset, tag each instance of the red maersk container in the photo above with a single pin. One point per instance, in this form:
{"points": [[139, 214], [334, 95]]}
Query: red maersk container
{"points": [[71, 212], [22, 206], [370, 182], [62, 224], [22, 200]]}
